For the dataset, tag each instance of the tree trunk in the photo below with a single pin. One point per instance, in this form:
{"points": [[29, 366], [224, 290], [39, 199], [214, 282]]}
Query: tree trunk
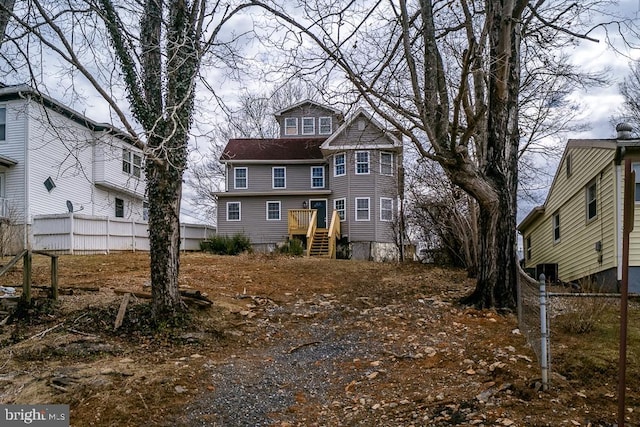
{"points": [[498, 269], [164, 187], [6, 7]]}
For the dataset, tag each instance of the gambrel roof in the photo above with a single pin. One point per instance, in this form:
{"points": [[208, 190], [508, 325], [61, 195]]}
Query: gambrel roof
{"points": [[272, 150]]}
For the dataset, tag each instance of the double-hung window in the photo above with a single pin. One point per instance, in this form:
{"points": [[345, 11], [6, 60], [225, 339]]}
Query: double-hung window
{"points": [[386, 163], [324, 125], [291, 126], [317, 176], [233, 211], [119, 208], [340, 206], [273, 211], [308, 126], [556, 227], [339, 164], [240, 178], [362, 162], [362, 209], [592, 200], [279, 177], [386, 209], [131, 163]]}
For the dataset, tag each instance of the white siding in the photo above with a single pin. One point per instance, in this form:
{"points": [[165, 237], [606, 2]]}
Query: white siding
{"points": [[13, 147]]}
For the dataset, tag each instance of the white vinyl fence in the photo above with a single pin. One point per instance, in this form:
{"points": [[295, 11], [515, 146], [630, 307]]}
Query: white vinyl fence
{"points": [[85, 234]]}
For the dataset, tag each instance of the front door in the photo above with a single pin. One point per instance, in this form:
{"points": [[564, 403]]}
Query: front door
{"points": [[321, 207]]}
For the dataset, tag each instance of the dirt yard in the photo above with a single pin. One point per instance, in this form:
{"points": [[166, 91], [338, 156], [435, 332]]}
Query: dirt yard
{"points": [[288, 342]]}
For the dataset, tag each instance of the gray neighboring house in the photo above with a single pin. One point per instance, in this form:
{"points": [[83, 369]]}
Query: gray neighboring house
{"points": [[326, 180]]}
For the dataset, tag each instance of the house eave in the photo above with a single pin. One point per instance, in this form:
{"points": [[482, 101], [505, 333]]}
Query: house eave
{"points": [[7, 161], [312, 193], [535, 213], [274, 162], [128, 191]]}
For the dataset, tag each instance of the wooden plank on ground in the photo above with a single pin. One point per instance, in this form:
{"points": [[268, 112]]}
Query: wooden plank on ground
{"points": [[122, 310]]}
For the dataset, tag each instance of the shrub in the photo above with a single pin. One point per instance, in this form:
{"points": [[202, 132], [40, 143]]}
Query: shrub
{"points": [[292, 247], [225, 245]]}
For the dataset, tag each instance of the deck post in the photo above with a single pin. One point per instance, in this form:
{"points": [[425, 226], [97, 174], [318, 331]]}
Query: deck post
{"points": [[54, 277], [26, 277]]}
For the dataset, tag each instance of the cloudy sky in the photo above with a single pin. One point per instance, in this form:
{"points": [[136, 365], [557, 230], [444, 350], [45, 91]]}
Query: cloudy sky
{"points": [[600, 104]]}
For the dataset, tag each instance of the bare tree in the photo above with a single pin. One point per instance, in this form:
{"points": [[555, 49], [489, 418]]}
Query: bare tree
{"points": [[448, 75], [151, 52], [253, 118], [630, 90], [6, 7]]}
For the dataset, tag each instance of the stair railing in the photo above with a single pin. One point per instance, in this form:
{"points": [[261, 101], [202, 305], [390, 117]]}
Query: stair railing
{"points": [[334, 233], [311, 231]]}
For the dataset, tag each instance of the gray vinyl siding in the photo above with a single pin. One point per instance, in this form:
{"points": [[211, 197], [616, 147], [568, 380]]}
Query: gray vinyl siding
{"points": [[308, 111], [253, 217], [298, 177], [374, 186]]}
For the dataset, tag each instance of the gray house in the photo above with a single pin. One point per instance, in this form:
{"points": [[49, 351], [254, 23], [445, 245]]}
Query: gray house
{"points": [[332, 182]]}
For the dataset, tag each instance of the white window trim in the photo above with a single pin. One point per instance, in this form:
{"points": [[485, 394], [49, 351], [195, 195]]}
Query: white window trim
{"points": [[279, 210], [344, 209], [368, 199], [635, 166], [246, 178], [335, 164], [390, 210], [313, 126], [239, 211], [273, 177], [320, 119], [129, 157], [311, 171], [382, 164], [368, 163], [295, 120]]}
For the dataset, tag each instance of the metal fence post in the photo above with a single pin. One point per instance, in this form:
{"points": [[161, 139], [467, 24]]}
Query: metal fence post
{"points": [[544, 335]]}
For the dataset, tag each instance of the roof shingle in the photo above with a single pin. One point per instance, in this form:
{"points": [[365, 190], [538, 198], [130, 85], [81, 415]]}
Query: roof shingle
{"points": [[273, 149]]}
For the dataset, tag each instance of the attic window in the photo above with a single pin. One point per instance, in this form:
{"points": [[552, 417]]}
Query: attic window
{"points": [[360, 124], [568, 165], [291, 126], [308, 126], [49, 184], [324, 123]]}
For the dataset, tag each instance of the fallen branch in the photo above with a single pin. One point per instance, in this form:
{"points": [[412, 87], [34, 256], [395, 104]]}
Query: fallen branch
{"points": [[189, 296], [86, 334], [298, 347], [46, 331]]}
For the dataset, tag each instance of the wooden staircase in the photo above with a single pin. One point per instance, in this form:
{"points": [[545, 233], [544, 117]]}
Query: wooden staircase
{"points": [[320, 244]]}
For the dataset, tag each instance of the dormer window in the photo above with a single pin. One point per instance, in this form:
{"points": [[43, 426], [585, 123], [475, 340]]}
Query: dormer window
{"points": [[291, 126], [308, 126], [324, 125]]}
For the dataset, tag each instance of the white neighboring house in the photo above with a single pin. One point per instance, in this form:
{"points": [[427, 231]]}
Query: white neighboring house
{"points": [[54, 160]]}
